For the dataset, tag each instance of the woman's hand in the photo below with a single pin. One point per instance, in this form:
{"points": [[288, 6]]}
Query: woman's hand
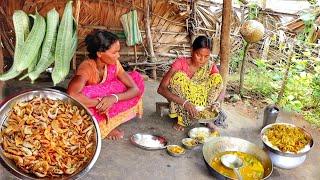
{"points": [[191, 109], [105, 103]]}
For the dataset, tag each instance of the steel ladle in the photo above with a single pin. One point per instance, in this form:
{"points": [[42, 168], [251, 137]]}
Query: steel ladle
{"points": [[233, 162]]}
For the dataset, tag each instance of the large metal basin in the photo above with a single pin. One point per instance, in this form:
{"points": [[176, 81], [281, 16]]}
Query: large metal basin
{"points": [[286, 160], [52, 94], [216, 145]]}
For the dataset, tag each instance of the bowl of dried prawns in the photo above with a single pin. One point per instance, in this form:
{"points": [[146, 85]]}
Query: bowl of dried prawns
{"points": [[47, 134]]}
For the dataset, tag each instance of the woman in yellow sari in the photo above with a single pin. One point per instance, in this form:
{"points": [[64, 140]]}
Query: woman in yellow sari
{"points": [[192, 85]]}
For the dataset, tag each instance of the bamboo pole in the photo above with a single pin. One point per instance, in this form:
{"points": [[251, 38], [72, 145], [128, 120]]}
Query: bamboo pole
{"points": [[242, 70], [171, 55], [1, 68], [225, 42], [135, 56], [77, 12], [147, 5]]}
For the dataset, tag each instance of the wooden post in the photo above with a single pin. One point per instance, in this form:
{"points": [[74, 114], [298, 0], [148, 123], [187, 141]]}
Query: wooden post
{"points": [[149, 36], [1, 69], [243, 67], [225, 42], [135, 56], [77, 12], [285, 78]]}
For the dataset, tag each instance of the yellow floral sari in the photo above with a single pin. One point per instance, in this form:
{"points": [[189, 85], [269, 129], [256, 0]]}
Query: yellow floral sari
{"points": [[202, 90]]}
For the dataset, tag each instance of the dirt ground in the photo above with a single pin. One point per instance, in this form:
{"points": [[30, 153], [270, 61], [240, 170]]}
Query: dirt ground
{"points": [[122, 160]]}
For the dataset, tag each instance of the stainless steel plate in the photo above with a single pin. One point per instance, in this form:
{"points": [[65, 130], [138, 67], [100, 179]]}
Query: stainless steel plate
{"points": [[55, 95], [148, 141]]}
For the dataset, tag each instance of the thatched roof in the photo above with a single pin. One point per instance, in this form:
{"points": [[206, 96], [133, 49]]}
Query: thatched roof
{"points": [[167, 24]]}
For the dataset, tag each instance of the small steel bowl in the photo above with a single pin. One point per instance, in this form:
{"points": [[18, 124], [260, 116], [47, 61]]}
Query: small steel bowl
{"points": [[200, 134], [52, 94], [170, 152], [149, 141], [189, 143]]}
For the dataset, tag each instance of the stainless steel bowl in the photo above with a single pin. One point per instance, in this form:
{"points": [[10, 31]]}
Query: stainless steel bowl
{"points": [[215, 145], [285, 160], [287, 154], [171, 153], [187, 145], [52, 94], [201, 134]]}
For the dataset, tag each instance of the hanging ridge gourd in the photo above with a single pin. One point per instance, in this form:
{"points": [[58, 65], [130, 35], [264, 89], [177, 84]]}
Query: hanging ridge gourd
{"points": [[74, 44], [21, 28], [66, 39], [48, 47], [33, 42], [32, 66]]}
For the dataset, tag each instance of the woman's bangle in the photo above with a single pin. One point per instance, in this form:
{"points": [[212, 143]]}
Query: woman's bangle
{"points": [[116, 97], [184, 102]]}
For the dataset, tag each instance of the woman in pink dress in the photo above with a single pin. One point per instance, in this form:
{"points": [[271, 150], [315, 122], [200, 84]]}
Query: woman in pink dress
{"points": [[100, 83]]}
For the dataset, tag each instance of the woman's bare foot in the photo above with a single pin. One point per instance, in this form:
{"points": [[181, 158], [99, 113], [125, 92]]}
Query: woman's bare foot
{"points": [[212, 126], [178, 127], [115, 134]]}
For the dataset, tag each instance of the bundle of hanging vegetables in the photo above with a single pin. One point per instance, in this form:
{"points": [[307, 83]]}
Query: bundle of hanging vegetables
{"points": [[49, 42]]}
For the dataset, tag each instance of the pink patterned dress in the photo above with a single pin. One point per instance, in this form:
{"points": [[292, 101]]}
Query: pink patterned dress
{"points": [[121, 111]]}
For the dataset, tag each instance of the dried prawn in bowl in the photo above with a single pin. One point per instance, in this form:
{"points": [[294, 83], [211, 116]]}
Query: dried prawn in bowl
{"points": [[48, 137]]}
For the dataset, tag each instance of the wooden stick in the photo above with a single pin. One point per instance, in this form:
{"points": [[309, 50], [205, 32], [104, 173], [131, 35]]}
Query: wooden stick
{"points": [[242, 70], [149, 37], [149, 63], [77, 12], [225, 42], [285, 79], [135, 56], [1, 68], [6, 41], [142, 31], [84, 53]]}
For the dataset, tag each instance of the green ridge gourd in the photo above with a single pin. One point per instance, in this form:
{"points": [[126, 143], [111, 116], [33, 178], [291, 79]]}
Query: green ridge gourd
{"points": [[21, 27], [63, 46], [33, 42], [48, 47]]}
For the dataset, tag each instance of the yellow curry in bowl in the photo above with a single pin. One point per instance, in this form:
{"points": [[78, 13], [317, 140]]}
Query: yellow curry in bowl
{"points": [[252, 168], [175, 150]]}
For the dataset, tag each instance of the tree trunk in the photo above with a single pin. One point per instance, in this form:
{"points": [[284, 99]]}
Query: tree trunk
{"points": [[243, 67], [225, 42], [149, 36]]}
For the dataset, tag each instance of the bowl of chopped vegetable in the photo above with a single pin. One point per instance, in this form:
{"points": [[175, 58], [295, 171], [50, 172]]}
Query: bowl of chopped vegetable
{"points": [[287, 144]]}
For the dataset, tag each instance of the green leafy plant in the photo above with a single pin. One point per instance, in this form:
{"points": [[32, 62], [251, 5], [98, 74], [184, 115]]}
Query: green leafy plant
{"points": [[308, 19], [260, 80], [253, 11]]}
